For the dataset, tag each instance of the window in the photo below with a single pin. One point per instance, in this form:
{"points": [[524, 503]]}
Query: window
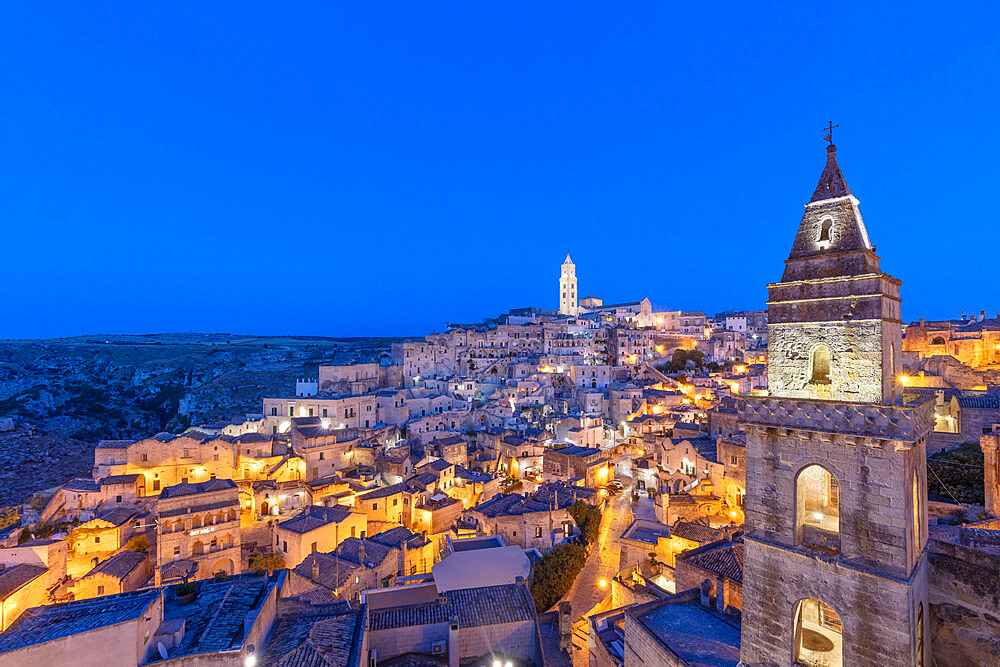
{"points": [[310, 412], [156, 485], [145, 457], [313, 548], [215, 457], [118, 499], [514, 533], [177, 552], [538, 531], [291, 410], [818, 635], [817, 503], [824, 230], [274, 412], [100, 590], [820, 365], [374, 506], [322, 456], [324, 412], [97, 539], [284, 546], [395, 501], [187, 453], [352, 531]]}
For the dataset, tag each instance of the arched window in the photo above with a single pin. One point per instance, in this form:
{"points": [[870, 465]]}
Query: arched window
{"points": [[819, 635], [817, 509], [824, 230], [820, 365], [937, 340], [196, 522]]}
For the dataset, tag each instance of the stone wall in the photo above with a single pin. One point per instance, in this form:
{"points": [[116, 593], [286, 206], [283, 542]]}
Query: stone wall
{"points": [[964, 597], [855, 360], [875, 478], [879, 614]]}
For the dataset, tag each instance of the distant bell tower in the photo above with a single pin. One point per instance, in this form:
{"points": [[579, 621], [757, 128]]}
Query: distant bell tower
{"points": [[567, 289], [835, 555]]}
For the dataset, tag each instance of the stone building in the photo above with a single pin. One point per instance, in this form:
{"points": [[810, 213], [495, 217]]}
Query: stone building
{"points": [[836, 519], [199, 523]]}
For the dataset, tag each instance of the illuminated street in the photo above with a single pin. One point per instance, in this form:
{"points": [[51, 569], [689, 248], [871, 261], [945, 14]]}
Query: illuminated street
{"points": [[602, 564]]}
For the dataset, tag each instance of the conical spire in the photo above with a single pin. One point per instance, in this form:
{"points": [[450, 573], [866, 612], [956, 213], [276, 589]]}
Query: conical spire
{"points": [[568, 260], [831, 183]]}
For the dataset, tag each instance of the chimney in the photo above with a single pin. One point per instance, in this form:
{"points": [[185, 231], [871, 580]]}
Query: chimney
{"points": [[921, 321], [982, 315], [566, 626], [315, 569], [706, 593], [721, 594]]}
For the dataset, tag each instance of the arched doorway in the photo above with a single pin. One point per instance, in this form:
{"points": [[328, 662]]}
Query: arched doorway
{"points": [[224, 565], [818, 635], [264, 507]]}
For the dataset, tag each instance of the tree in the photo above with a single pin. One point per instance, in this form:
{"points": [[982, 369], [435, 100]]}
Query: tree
{"points": [[588, 519], [25, 535], [555, 572], [269, 562]]}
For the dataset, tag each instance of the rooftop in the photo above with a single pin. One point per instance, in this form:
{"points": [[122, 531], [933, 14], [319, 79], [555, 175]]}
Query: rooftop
{"points": [[220, 615], [178, 490], [120, 565], [316, 516], [15, 577], [696, 635], [315, 635], [46, 623], [487, 605], [723, 557]]}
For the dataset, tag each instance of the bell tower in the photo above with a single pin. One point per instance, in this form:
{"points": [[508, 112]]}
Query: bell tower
{"points": [[835, 565], [833, 326], [568, 303]]}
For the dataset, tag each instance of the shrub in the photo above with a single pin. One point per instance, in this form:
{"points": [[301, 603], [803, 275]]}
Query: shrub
{"points": [[268, 562], [138, 543], [187, 588], [25, 535], [554, 574]]}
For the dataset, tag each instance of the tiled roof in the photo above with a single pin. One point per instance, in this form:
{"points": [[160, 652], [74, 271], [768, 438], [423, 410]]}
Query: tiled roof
{"points": [[316, 516], [114, 444], [696, 532], [201, 487], [232, 503], [383, 491], [215, 620], [118, 516], [316, 636], [725, 558], [488, 605], [375, 552], [394, 537], [120, 565], [14, 577], [81, 484], [111, 480], [333, 571], [49, 622]]}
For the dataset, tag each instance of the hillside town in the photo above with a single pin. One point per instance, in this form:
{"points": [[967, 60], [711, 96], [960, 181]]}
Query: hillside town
{"points": [[599, 484]]}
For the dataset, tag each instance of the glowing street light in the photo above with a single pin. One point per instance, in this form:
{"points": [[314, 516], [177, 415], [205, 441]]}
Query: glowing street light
{"points": [[603, 583]]}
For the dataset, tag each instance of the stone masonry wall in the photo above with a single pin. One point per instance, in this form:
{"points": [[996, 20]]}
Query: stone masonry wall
{"points": [[878, 613], [855, 360]]}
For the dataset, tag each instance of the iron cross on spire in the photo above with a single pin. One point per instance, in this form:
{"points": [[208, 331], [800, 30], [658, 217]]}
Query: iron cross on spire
{"points": [[829, 132]]}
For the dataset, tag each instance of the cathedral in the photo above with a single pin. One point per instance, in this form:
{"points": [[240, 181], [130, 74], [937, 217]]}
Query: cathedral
{"points": [[836, 517]]}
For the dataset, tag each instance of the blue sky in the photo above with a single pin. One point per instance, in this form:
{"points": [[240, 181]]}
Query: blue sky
{"points": [[384, 168]]}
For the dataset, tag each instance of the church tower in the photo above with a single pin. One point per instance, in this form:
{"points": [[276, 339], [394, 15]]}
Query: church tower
{"points": [[835, 565], [567, 289]]}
